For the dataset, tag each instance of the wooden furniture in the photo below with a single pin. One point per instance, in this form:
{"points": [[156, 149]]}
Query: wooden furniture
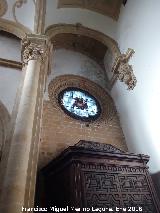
{"points": [[92, 175]]}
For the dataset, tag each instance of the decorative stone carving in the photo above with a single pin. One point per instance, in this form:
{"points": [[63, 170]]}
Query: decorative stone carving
{"points": [[18, 4], [62, 82], [123, 71], [34, 47], [95, 146], [3, 7]]}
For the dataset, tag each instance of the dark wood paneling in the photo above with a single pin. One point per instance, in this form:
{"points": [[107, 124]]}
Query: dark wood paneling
{"points": [[156, 181], [100, 176]]}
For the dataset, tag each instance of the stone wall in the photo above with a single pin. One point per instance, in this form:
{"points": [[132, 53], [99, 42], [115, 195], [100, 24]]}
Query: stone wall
{"points": [[60, 131]]}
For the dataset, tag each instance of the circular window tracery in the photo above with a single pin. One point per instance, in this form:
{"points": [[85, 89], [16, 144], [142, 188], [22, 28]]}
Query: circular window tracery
{"points": [[79, 104]]}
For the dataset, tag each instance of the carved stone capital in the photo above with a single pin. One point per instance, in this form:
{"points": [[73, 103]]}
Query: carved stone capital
{"points": [[123, 71], [34, 47]]}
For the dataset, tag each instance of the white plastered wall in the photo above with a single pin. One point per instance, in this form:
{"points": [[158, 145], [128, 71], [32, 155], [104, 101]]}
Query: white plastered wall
{"points": [[139, 28], [69, 62], [25, 14], [9, 78], [9, 84], [10, 48]]}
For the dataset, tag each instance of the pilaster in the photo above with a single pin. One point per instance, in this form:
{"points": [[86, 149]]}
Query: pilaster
{"points": [[20, 177]]}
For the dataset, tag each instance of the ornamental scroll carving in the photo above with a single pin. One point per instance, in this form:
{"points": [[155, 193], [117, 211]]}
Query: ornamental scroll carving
{"points": [[3, 7], [18, 4], [34, 47], [123, 71]]}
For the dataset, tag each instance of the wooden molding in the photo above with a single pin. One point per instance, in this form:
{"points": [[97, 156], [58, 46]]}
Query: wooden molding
{"points": [[10, 63]]}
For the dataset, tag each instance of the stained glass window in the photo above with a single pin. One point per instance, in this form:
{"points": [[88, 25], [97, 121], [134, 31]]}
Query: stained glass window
{"points": [[79, 104]]}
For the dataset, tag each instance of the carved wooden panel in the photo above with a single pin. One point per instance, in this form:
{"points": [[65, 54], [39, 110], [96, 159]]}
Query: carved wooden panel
{"points": [[89, 177], [98, 146], [116, 189]]}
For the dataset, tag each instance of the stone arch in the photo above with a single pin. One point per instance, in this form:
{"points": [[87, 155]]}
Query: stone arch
{"points": [[55, 29], [4, 126], [14, 28]]}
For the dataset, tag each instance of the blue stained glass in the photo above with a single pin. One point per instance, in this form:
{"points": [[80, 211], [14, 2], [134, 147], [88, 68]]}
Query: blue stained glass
{"points": [[80, 103]]}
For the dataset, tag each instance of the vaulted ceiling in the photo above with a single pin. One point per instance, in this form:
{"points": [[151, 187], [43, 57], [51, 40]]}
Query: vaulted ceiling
{"points": [[109, 8], [83, 44]]}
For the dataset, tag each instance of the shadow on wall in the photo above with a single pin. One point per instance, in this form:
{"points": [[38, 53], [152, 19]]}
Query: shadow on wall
{"points": [[4, 122], [4, 146]]}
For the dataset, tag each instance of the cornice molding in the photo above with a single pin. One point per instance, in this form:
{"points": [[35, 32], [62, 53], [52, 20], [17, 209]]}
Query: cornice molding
{"points": [[10, 63], [98, 147]]}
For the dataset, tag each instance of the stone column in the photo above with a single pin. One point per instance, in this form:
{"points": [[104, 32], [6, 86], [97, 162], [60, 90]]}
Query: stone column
{"points": [[19, 181]]}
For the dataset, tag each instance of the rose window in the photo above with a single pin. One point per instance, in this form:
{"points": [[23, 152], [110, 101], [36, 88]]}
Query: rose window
{"points": [[79, 104]]}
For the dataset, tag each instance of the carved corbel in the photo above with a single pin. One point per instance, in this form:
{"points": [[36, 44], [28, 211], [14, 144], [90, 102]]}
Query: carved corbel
{"points": [[34, 47], [123, 71]]}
